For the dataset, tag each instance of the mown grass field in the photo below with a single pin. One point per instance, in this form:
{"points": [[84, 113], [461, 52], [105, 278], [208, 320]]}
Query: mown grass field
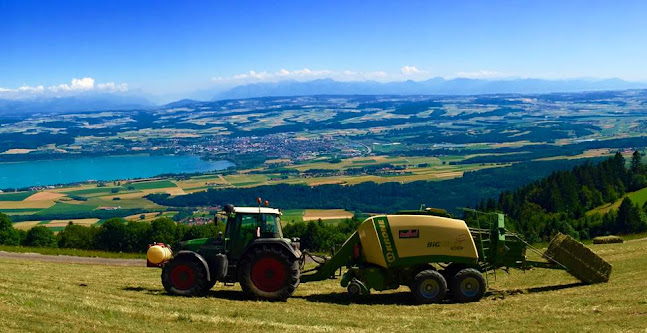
{"points": [[638, 197], [54, 297]]}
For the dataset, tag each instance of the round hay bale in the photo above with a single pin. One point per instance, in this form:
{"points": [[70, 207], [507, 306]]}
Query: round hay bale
{"points": [[608, 240]]}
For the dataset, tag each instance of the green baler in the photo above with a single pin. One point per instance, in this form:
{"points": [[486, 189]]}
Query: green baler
{"points": [[441, 253]]}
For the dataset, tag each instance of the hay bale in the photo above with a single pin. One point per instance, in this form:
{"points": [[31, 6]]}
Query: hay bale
{"points": [[579, 260], [607, 240]]}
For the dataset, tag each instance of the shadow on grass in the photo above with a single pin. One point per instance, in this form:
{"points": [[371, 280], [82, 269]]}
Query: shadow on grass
{"points": [[342, 298], [499, 294], [149, 291], [231, 295], [406, 298]]}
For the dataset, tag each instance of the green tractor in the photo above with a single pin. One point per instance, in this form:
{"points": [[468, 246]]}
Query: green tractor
{"points": [[252, 252]]}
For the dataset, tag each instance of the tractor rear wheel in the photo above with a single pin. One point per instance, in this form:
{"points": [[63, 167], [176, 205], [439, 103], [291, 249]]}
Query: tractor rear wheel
{"points": [[184, 277], [268, 273], [468, 285], [429, 286]]}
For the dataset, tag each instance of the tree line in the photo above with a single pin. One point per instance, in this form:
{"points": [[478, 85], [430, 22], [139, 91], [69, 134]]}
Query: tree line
{"points": [[320, 236], [560, 202], [117, 235], [113, 235]]}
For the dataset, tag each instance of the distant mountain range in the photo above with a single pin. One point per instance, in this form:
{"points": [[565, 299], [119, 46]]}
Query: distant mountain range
{"points": [[86, 102], [434, 86]]}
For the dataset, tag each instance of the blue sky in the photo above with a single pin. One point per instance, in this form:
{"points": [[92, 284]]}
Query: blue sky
{"points": [[179, 46]]}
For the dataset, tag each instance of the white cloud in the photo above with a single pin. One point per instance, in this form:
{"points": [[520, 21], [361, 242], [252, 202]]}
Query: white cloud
{"points": [[25, 88], [112, 87], [86, 84], [481, 74], [408, 70], [299, 74]]}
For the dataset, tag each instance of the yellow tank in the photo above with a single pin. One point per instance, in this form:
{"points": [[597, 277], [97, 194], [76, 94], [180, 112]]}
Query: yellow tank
{"points": [[158, 254], [395, 240]]}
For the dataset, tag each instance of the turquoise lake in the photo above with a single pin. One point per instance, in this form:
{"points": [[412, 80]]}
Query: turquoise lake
{"points": [[50, 172]]}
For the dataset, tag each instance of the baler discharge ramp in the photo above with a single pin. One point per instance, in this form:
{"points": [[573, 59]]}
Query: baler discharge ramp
{"points": [[500, 248]]}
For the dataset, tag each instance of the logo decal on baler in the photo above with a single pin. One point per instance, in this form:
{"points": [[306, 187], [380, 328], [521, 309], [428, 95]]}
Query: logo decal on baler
{"points": [[383, 230], [410, 233]]}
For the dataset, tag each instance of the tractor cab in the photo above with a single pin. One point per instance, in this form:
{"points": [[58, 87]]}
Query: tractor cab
{"points": [[247, 224]]}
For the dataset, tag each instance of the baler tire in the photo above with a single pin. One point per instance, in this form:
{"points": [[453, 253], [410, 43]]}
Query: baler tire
{"points": [[468, 285], [184, 270], [265, 260], [429, 286]]}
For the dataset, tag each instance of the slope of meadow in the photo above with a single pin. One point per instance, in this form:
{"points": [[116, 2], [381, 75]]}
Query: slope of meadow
{"points": [[638, 197], [43, 296]]}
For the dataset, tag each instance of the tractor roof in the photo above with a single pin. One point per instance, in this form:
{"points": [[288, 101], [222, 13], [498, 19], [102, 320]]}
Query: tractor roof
{"points": [[256, 210]]}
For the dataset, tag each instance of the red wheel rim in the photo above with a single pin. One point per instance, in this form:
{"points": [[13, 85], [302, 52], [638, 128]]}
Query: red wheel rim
{"points": [[182, 277], [268, 274]]}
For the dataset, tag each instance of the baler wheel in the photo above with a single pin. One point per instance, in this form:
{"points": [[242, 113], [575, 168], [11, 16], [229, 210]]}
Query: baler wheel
{"points": [[184, 277], [268, 273], [468, 285], [429, 286], [354, 289]]}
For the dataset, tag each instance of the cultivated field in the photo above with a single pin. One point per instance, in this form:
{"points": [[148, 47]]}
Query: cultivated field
{"points": [[45, 296]]}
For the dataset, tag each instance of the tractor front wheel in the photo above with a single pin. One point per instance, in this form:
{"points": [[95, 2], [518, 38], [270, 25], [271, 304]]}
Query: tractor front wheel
{"points": [[269, 273], [468, 285], [184, 277], [429, 286]]}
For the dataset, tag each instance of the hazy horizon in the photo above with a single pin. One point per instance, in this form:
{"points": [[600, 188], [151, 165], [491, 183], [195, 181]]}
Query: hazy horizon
{"points": [[168, 49]]}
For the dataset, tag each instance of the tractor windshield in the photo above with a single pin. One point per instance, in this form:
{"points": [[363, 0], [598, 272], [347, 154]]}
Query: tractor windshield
{"points": [[271, 226]]}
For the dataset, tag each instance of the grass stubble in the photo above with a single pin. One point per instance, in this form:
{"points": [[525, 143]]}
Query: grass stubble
{"points": [[54, 297]]}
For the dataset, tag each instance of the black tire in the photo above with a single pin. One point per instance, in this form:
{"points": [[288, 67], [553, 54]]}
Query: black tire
{"points": [[268, 273], [429, 286], [184, 277], [354, 289], [468, 285]]}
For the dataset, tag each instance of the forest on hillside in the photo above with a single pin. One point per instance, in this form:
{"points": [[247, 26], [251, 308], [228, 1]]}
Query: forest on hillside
{"points": [[373, 197], [562, 201]]}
